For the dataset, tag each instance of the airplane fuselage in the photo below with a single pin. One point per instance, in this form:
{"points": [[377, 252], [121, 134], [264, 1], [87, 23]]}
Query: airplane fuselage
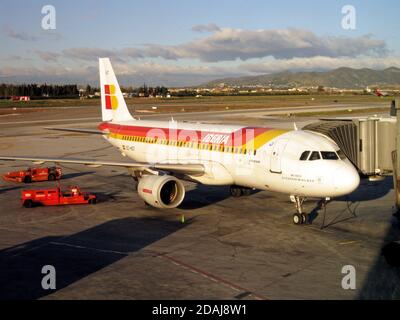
{"points": [[253, 157]]}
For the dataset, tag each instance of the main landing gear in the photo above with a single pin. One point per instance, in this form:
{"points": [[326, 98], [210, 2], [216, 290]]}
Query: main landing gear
{"points": [[237, 191], [299, 217]]}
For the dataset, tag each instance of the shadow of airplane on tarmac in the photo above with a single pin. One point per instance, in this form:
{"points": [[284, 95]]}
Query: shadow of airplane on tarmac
{"points": [[203, 196], [75, 175], [76, 256]]}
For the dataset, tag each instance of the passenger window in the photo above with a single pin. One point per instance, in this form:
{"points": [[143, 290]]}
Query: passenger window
{"points": [[315, 156], [329, 155], [304, 155]]}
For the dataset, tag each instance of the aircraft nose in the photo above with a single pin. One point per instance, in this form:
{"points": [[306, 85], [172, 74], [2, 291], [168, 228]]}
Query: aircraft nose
{"points": [[346, 179]]}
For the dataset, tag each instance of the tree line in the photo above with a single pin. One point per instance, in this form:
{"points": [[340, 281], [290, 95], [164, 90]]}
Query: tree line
{"points": [[143, 91], [43, 91], [39, 91]]}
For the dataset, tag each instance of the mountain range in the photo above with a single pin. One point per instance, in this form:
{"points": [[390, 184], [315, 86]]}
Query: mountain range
{"points": [[339, 78]]}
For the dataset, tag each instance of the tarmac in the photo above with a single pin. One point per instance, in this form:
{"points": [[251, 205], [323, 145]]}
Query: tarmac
{"points": [[212, 247]]}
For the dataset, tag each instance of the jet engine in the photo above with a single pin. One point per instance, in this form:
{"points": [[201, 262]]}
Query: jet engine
{"points": [[164, 192]]}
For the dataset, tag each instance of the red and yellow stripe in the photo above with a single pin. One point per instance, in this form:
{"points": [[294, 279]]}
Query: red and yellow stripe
{"points": [[239, 141]]}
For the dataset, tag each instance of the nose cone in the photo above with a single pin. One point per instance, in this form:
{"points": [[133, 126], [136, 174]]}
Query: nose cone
{"points": [[346, 179]]}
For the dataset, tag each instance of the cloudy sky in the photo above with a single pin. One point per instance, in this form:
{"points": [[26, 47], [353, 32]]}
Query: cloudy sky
{"points": [[187, 42]]}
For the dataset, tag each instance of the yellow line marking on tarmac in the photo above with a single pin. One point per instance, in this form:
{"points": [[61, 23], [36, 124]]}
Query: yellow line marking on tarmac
{"points": [[348, 242]]}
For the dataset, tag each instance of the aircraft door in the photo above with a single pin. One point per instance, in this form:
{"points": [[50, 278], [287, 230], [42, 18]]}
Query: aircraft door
{"points": [[276, 156]]}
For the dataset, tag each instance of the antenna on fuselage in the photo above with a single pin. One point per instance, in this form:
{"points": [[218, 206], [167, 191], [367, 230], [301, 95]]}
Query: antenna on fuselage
{"points": [[295, 126]]}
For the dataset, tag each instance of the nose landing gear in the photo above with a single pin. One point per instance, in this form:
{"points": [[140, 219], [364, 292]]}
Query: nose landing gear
{"points": [[299, 217]]}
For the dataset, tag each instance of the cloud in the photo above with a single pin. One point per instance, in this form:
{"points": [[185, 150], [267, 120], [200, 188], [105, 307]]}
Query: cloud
{"points": [[48, 74], [51, 35], [319, 63], [48, 55], [232, 44], [11, 33], [236, 44], [211, 27], [258, 51], [150, 51], [128, 74], [15, 58], [91, 54], [169, 74]]}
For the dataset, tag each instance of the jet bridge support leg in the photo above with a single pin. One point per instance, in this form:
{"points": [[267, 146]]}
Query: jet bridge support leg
{"points": [[396, 159]]}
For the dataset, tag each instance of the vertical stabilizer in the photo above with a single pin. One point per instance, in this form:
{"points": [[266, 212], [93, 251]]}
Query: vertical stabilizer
{"points": [[113, 106]]}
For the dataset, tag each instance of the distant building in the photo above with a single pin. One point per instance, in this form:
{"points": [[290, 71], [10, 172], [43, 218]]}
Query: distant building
{"points": [[20, 98]]}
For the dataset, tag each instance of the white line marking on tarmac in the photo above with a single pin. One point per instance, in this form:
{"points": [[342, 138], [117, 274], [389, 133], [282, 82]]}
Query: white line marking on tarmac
{"points": [[87, 248], [218, 112], [9, 115], [44, 121]]}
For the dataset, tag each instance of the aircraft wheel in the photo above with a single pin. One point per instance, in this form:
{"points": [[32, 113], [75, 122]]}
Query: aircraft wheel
{"points": [[297, 219], [28, 203], [28, 179], [246, 191], [236, 191], [303, 218], [51, 177]]}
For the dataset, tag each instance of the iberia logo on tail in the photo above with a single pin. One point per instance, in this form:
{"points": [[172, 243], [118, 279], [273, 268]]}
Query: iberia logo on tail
{"points": [[111, 99]]}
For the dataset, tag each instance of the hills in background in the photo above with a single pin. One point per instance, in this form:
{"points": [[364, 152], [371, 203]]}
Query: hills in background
{"points": [[343, 78]]}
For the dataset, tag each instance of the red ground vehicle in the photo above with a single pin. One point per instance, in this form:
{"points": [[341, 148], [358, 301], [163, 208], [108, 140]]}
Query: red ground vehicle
{"points": [[56, 197], [34, 174]]}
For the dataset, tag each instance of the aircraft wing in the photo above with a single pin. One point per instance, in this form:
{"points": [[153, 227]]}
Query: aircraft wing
{"points": [[76, 130], [188, 168]]}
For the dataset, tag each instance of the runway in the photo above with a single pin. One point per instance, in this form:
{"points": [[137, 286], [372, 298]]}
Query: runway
{"points": [[258, 112]]}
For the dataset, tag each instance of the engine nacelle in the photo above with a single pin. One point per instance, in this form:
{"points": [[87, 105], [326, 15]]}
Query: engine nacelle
{"points": [[163, 192]]}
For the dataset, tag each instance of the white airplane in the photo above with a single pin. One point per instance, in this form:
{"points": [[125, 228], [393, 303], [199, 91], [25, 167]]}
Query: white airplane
{"points": [[298, 163]]}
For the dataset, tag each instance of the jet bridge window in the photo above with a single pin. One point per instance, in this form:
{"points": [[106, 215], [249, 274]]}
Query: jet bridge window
{"points": [[329, 155], [315, 156], [304, 155]]}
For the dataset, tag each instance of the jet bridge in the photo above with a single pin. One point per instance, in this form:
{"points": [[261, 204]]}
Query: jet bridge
{"points": [[368, 142]]}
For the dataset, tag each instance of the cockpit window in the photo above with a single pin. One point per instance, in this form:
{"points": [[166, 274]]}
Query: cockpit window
{"points": [[329, 155], [315, 156], [341, 154], [304, 155]]}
